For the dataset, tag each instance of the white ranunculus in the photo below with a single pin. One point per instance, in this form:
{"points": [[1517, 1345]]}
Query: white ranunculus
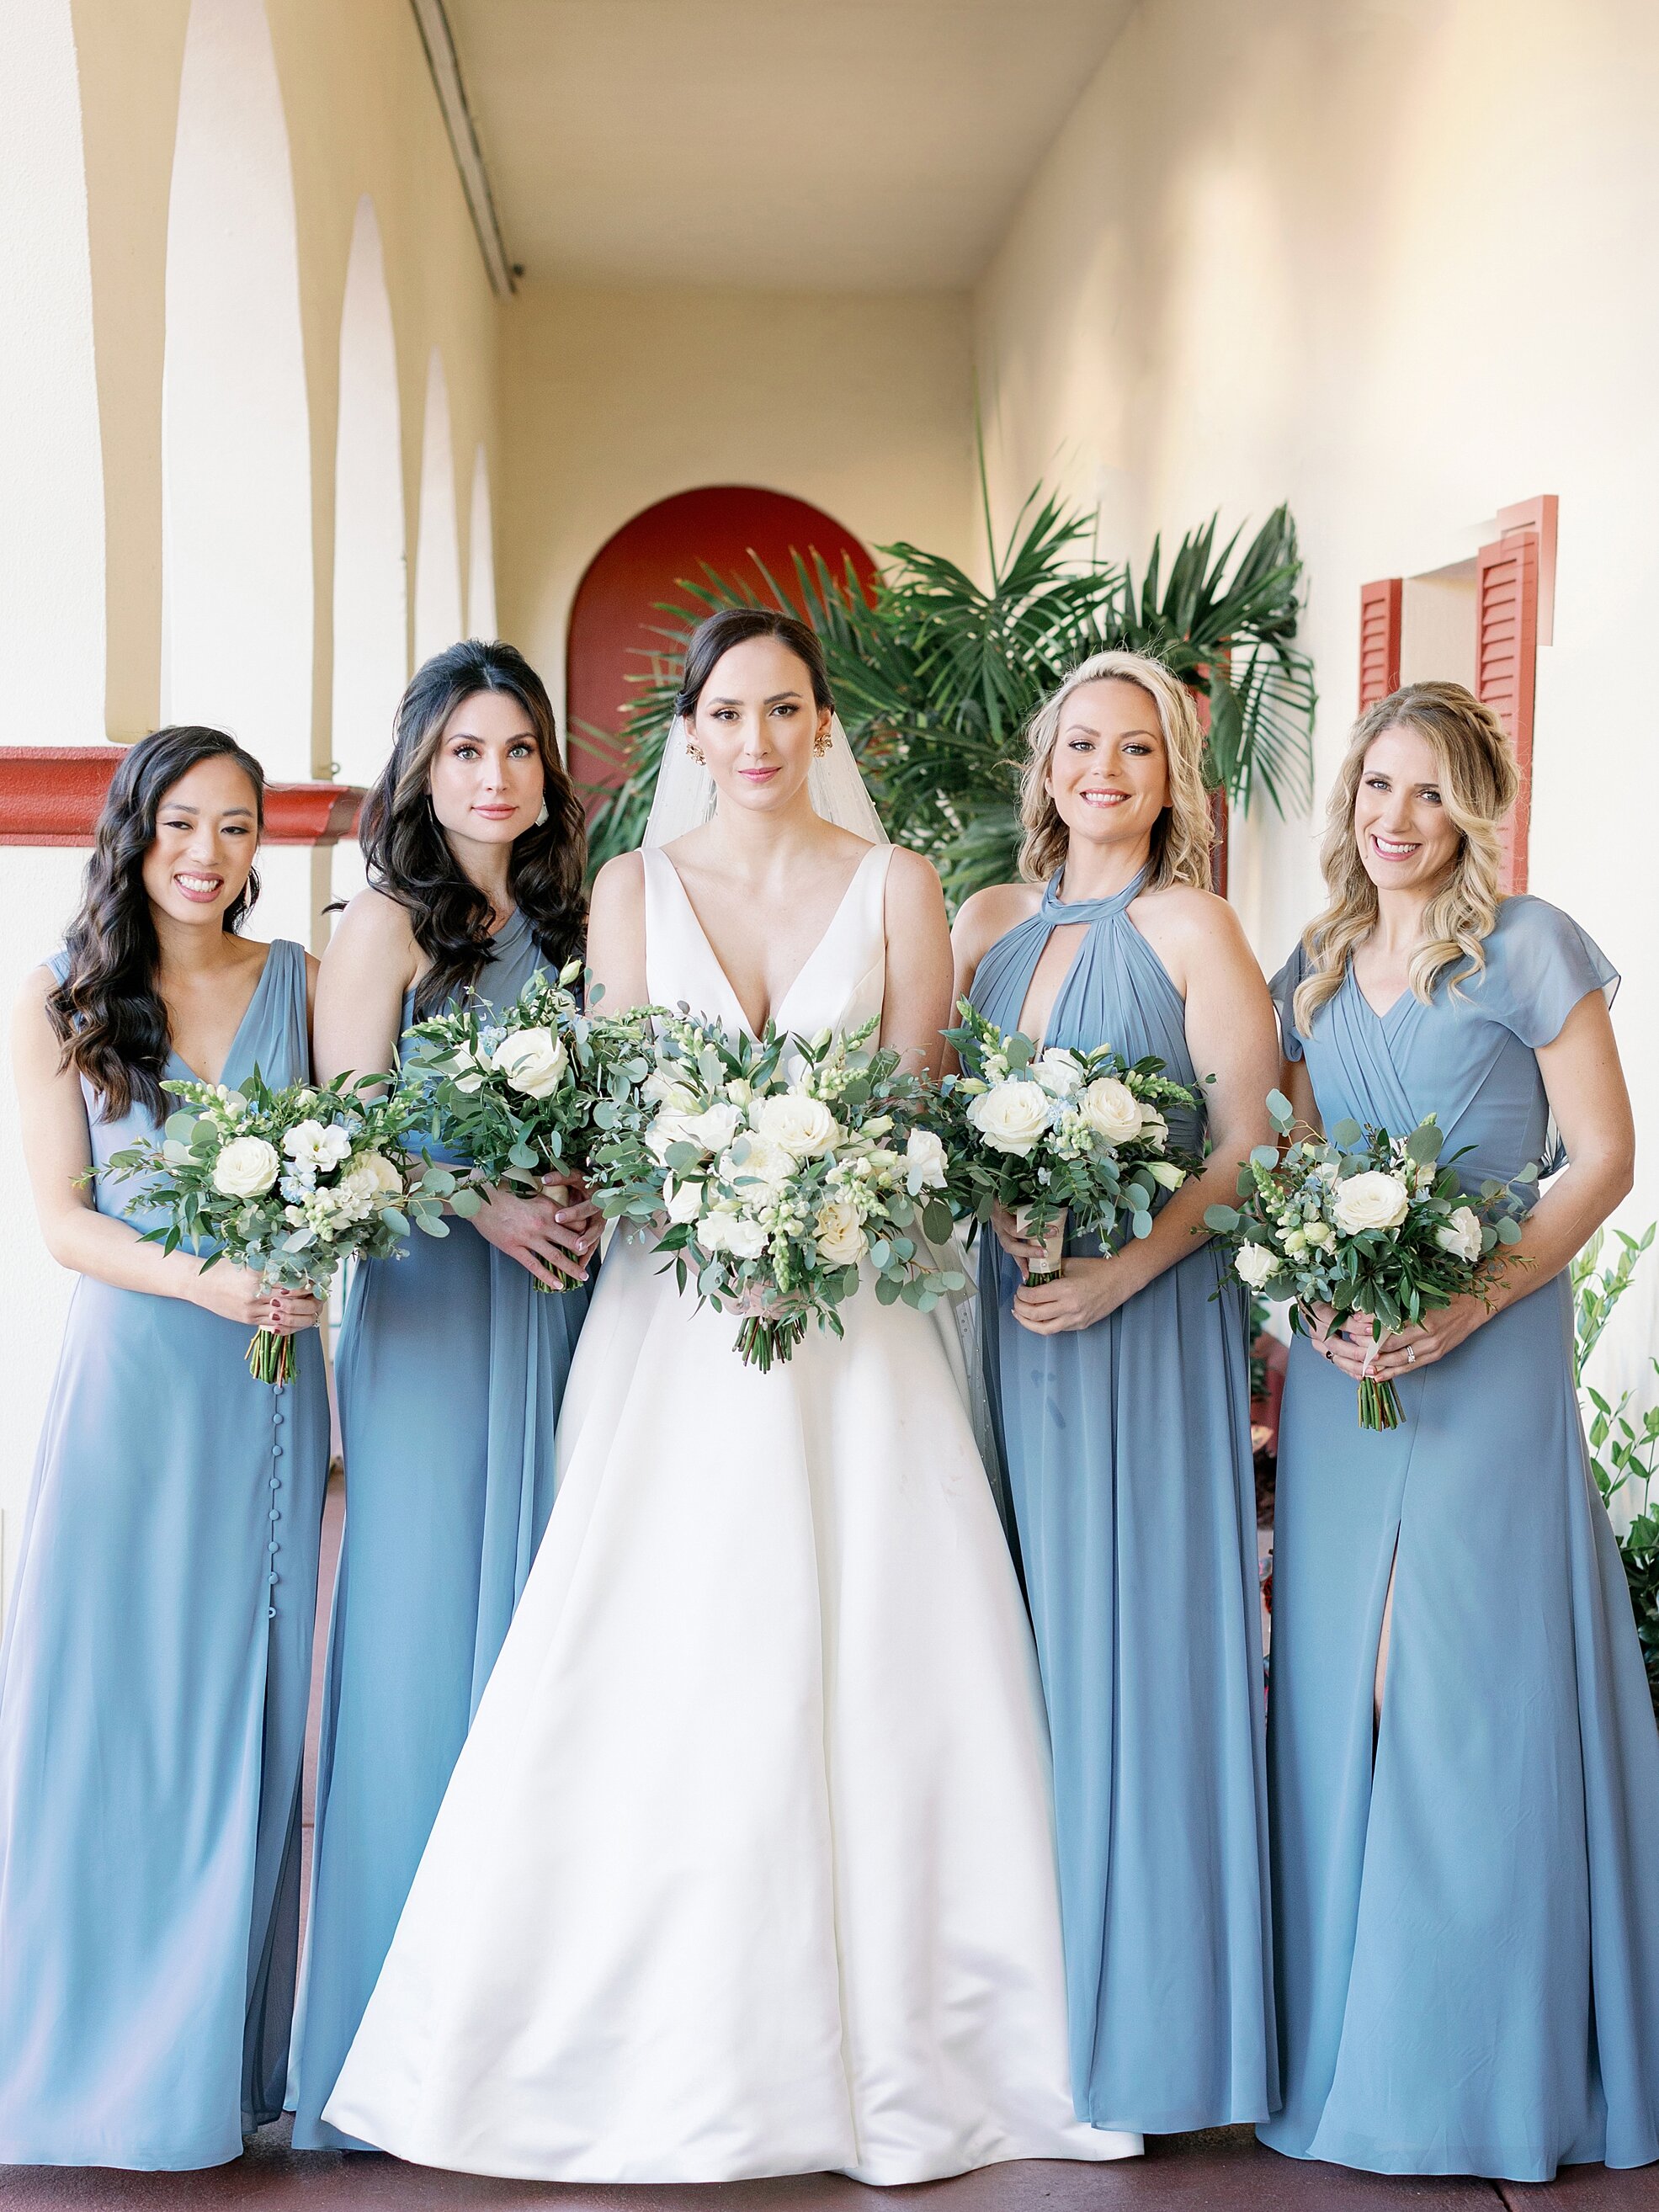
{"points": [[247, 1168], [312, 1144], [662, 1087], [1255, 1264], [1058, 1071], [1371, 1201], [924, 1163], [532, 1061], [1012, 1117], [803, 1126], [763, 1161], [683, 1200], [1460, 1235], [840, 1234], [371, 1175], [1112, 1110], [715, 1127]]}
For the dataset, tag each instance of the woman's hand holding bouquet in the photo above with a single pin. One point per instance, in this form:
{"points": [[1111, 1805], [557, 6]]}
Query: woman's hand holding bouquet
{"points": [[1364, 1228]]}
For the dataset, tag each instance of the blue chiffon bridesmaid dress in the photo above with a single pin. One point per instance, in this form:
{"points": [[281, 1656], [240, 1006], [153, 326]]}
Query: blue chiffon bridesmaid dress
{"points": [[1127, 1451], [152, 1694], [451, 1368], [1467, 1917]]}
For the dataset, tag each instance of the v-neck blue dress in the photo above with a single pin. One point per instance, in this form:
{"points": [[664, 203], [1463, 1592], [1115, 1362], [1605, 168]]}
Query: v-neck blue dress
{"points": [[451, 1370], [1468, 1920], [1127, 1452], [152, 1694]]}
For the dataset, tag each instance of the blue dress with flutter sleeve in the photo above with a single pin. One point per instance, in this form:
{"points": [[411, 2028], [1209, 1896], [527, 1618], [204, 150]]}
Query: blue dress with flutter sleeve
{"points": [[153, 1696], [1127, 1452], [1466, 1910]]}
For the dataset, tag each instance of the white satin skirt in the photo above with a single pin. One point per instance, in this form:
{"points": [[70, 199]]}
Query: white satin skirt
{"points": [[747, 1867]]}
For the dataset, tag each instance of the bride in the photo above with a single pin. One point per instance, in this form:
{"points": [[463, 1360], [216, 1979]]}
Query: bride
{"points": [[747, 1866]]}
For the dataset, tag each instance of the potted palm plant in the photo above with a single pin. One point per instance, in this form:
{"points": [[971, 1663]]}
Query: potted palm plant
{"points": [[936, 675]]}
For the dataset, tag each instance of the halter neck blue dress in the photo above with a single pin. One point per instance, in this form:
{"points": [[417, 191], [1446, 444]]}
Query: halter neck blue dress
{"points": [[1468, 1919], [452, 1369], [152, 1692], [1127, 1452]]}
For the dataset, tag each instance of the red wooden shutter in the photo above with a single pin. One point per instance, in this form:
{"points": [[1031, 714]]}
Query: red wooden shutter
{"points": [[1379, 639], [1506, 666]]}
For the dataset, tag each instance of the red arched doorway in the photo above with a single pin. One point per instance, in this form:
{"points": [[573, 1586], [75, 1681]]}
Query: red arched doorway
{"points": [[614, 617]]}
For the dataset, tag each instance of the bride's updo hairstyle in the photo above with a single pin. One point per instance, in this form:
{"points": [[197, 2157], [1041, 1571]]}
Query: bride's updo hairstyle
{"points": [[408, 857], [106, 1013], [713, 639], [1181, 835], [1478, 782]]}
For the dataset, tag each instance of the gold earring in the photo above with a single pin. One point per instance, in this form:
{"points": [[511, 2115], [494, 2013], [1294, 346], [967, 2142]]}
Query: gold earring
{"points": [[822, 742], [693, 751]]}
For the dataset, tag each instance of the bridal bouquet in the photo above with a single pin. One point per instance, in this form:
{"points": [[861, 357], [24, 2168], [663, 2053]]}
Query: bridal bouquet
{"points": [[1058, 1138], [1363, 1223], [771, 1190], [522, 1094], [289, 1182]]}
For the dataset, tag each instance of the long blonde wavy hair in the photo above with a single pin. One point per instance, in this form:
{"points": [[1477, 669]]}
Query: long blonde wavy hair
{"points": [[1181, 835], [1478, 781]]}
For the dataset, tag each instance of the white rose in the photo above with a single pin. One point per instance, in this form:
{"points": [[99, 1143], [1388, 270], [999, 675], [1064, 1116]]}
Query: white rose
{"points": [[924, 1163], [715, 1127], [841, 1239], [309, 1144], [247, 1168], [1058, 1071], [1371, 1201], [372, 1175], [532, 1061], [1255, 1264], [803, 1126], [683, 1200], [669, 1128], [1295, 1242], [1012, 1117], [662, 1087], [1460, 1235], [1318, 1233], [1112, 1110], [763, 1161], [746, 1238]]}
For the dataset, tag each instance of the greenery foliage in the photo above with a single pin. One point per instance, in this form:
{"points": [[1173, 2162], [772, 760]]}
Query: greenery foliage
{"points": [[935, 676], [1624, 1446]]}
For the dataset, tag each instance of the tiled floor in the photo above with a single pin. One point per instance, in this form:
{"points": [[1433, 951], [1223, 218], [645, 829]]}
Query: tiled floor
{"points": [[1225, 2171]]}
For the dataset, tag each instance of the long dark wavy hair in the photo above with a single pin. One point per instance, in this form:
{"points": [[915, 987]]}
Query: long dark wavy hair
{"points": [[409, 858], [108, 1015]]}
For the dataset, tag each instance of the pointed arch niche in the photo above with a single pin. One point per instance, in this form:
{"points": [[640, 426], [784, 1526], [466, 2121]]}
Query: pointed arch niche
{"points": [[614, 617], [371, 589], [51, 491], [236, 548], [438, 548]]}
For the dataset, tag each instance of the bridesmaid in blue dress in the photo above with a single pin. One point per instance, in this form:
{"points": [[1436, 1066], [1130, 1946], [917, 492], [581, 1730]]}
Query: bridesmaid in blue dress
{"points": [[1464, 1770], [451, 1363], [154, 1677], [1123, 1397]]}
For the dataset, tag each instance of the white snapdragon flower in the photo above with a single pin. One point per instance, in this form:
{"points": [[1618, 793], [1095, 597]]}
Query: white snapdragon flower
{"points": [[925, 1162], [1255, 1264], [1460, 1235], [1112, 1110], [1012, 1117], [245, 1167], [532, 1061], [1371, 1201], [317, 1146]]}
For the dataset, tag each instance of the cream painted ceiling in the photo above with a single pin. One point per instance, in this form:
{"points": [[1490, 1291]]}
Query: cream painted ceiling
{"points": [[828, 144]]}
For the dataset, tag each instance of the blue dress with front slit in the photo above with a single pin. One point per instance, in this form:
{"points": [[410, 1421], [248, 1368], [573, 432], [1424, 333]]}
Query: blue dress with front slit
{"points": [[1127, 1451], [452, 1369], [153, 1693], [1466, 1918]]}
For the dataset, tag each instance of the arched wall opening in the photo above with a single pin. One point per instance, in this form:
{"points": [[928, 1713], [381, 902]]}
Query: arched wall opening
{"points": [[438, 549], [236, 548], [371, 591], [481, 554], [735, 530]]}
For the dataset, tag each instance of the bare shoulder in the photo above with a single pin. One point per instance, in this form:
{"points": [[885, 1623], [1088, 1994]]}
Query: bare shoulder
{"points": [[912, 875], [990, 913], [1194, 919], [619, 885], [36, 988], [374, 923]]}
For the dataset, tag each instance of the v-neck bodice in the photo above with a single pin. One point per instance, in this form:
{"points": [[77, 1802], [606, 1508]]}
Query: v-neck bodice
{"points": [[1117, 992], [1469, 1057], [840, 986]]}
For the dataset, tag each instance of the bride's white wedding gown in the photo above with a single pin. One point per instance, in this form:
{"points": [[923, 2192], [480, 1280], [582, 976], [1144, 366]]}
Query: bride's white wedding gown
{"points": [[747, 1866]]}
